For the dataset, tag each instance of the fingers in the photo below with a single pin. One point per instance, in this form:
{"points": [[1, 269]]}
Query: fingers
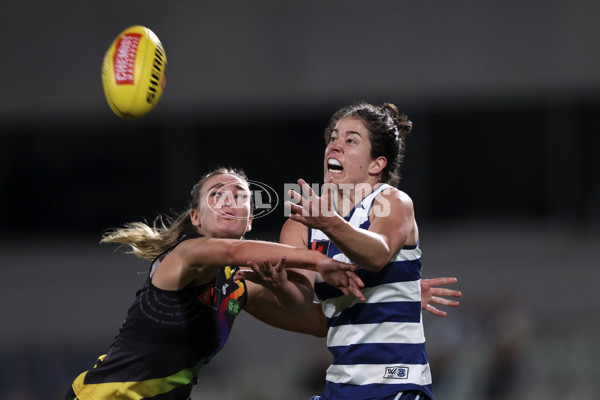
{"points": [[297, 210], [280, 265], [441, 281], [355, 278], [245, 274], [347, 267], [444, 302], [435, 311], [445, 292], [252, 265], [306, 189], [358, 293]]}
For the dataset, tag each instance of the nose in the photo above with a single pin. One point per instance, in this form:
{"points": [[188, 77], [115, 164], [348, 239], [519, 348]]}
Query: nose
{"points": [[334, 146]]}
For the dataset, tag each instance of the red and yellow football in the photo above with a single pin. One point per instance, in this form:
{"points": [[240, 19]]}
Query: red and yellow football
{"points": [[134, 72]]}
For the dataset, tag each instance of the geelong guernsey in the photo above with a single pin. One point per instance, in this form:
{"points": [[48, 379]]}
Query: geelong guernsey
{"points": [[165, 340], [378, 346]]}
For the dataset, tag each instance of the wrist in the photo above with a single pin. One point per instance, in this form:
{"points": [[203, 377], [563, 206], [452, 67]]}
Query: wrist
{"points": [[335, 224]]}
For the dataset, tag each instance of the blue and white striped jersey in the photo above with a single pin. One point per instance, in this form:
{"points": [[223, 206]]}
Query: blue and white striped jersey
{"points": [[378, 345]]}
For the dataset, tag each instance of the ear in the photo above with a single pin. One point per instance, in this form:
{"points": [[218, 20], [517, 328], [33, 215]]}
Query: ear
{"points": [[377, 165], [195, 217]]}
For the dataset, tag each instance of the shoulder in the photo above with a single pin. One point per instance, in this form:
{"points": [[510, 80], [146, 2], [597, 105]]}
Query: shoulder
{"points": [[394, 198], [187, 244], [188, 250]]}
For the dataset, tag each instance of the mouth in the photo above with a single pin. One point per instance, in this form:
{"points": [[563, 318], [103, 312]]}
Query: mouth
{"points": [[334, 166], [228, 215]]}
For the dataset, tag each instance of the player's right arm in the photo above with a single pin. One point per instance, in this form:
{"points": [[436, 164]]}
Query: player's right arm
{"points": [[198, 260]]}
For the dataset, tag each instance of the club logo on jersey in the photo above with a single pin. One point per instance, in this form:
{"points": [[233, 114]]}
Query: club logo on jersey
{"points": [[396, 373], [209, 297], [320, 245]]}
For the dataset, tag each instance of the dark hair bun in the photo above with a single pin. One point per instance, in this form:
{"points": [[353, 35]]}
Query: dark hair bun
{"points": [[400, 120]]}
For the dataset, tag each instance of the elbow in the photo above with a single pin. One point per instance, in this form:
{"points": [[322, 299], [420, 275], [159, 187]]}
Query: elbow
{"points": [[320, 334], [378, 266], [377, 263], [321, 330], [234, 254]]}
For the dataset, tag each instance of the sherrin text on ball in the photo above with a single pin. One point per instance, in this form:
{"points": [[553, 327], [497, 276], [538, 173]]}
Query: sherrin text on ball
{"points": [[134, 72]]}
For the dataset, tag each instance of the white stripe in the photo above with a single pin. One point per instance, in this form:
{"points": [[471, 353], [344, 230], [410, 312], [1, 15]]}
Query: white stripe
{"points": [[367, 374], [397, 291], [384, 332], [408, 254]]}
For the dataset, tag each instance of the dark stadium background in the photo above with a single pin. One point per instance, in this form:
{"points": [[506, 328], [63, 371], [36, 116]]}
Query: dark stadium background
{"points": [[502, 165]]}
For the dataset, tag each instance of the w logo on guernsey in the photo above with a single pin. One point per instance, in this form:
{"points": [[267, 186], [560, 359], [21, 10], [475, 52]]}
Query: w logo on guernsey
{"points": [[396, 373]]}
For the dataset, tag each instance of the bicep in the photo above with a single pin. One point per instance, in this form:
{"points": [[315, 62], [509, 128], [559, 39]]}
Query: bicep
{"points": [[393, 220], [294, 233], [201, 258]]}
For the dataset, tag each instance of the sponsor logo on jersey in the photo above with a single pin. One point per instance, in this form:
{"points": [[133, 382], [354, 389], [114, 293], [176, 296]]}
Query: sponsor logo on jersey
{"points": [[396, 372], [233, 307]]}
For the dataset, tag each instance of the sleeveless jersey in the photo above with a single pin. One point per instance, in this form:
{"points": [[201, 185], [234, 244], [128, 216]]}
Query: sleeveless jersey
{"points": [[378, 346], [165, 340]]}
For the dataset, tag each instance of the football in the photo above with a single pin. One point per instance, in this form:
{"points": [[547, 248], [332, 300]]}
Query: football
{"points": [[134, 72]]}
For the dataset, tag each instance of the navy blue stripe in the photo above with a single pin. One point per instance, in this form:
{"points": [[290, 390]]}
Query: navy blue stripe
{"points": [[374, 391], [325, 291], [332, 250], [380, 353], [365, 313], [397, 271], [365, 225]]}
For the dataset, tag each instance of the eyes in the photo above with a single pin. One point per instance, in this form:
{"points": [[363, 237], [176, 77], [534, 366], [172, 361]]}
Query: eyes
{"points": [[349, 139], [229, 194], [236, 199]]}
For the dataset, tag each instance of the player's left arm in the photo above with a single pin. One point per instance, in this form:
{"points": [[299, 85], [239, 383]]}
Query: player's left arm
{"points": [[263, 305]]}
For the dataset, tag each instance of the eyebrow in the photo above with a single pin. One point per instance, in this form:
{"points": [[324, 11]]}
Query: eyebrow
{"points": [[220, 185], [348, 133]]}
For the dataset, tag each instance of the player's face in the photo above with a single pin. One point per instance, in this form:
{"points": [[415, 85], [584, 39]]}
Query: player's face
{"points": [[224, 210], [348, 153]]}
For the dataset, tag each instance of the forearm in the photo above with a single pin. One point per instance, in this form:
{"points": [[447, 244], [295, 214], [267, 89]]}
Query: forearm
{"points": [[296, 294], [266, 309], [363, 247], [258, 251]]}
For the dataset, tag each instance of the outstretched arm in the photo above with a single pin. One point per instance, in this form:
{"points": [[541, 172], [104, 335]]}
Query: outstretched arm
{"points": [[430, 295], [263, 305]]}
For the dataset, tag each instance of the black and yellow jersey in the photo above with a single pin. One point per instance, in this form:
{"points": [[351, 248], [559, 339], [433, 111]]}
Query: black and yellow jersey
{"points": [[165, 340]]}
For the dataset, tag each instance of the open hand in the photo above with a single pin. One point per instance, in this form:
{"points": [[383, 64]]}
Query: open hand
{"points": [[341, 276], [268, 275], [430, 295]]}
